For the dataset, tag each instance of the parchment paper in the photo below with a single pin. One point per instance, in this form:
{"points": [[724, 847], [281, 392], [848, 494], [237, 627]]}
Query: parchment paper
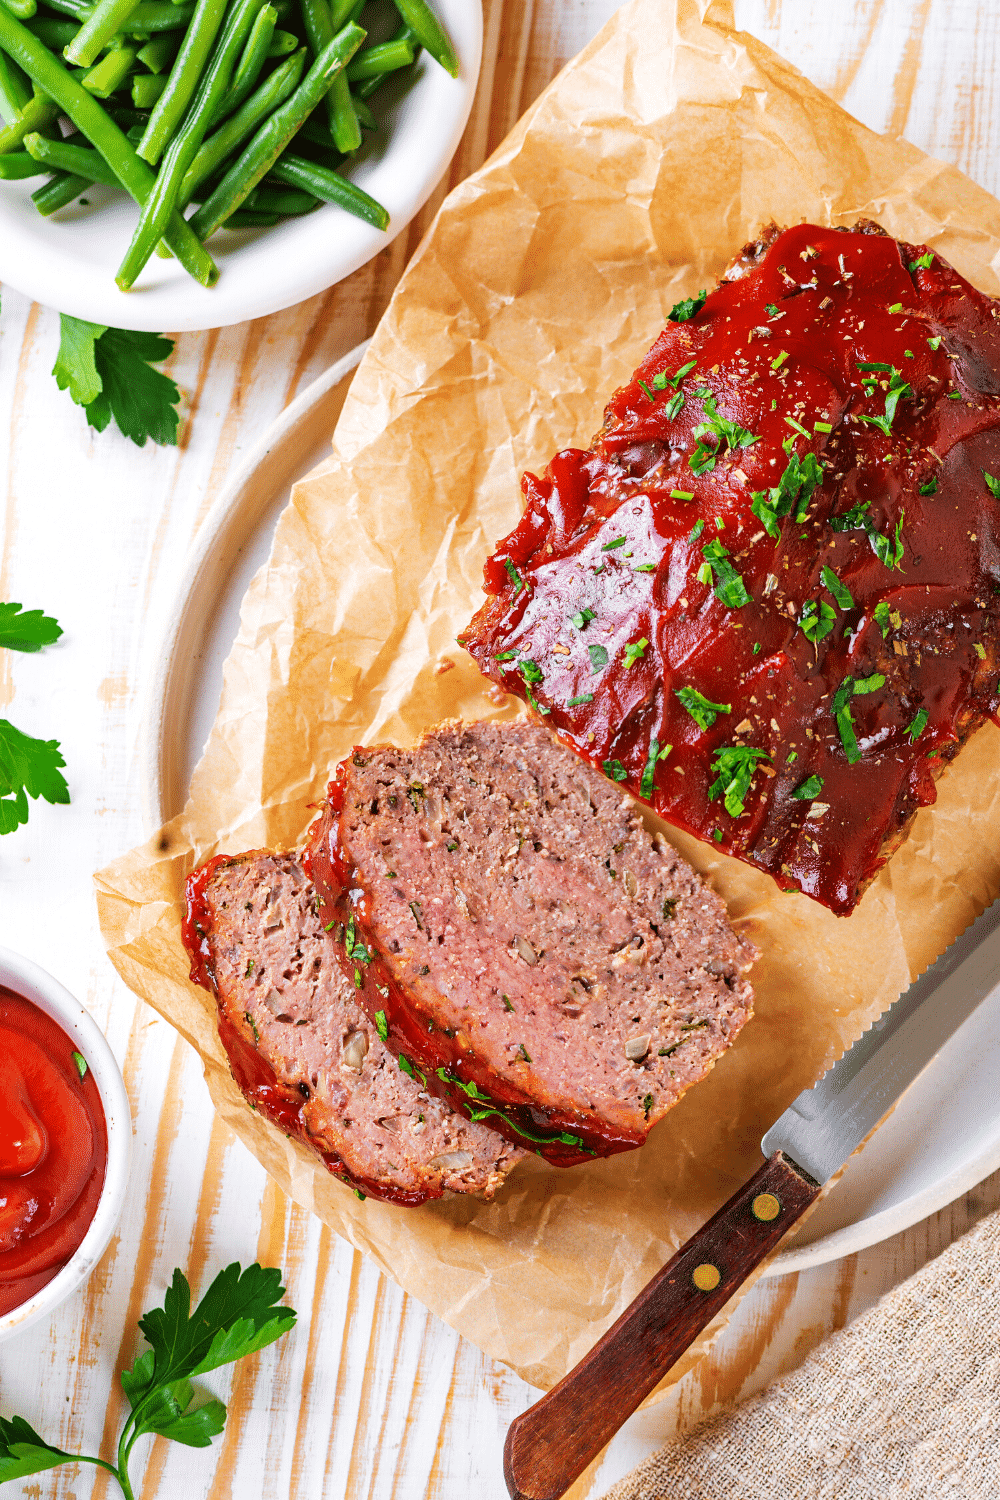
{"points": [[629, 184]]}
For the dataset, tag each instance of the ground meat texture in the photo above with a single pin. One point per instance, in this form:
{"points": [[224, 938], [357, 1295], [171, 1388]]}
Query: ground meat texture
{"points": [[306, 1055], [767, 597], [528, 943]]}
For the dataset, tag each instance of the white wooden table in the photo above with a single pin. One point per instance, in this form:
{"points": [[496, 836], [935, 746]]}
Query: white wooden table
{"points": [[371, 1396]]}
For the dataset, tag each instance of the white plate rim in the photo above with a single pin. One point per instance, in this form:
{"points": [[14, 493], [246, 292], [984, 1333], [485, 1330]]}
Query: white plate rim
{"points": [[245, 496], [45, 261]]}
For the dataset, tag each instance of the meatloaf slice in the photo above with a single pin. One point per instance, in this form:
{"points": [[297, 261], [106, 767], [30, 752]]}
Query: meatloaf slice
{"points": [[526, 941], [304, 1053]]}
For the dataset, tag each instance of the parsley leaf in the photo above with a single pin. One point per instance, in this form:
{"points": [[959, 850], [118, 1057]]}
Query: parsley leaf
{"points": [[808, 789], [726, 433], [734, 766], [598, 658], [881, 617], [930, 488], [842, 713], [634, 652], [614, 770], [513, 575], [993, 485], [702, 710], [382, 1025], [655, 754], [840, 591], [683, 312], [108, 371], [898, 388], [917, 725], [236, 1317], [729, 586], [28, 768], [816, 620], [26, 632], [582, 618], [924, 261], [794, 489], [889, 551]]}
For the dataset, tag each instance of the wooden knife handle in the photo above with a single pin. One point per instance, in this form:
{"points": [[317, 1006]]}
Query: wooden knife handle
{"points": [[551, 1444]]}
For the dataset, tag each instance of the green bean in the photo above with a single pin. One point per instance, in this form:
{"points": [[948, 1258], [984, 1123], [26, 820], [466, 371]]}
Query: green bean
{"points": [[282, 42], [15, 90], [254, 56], [59, 191], [157, 54], [22, 9], [110, 73], [269, 200], [55, 34], [36, 114], [108, 18], [275, 89], [274, 135], [146, 89], [159, 15], [52, 79], [64, 156], [320, 31], [183, 148], [425, 25], [331, 187], [247, 220], [387, 57], [78, 9], [366, 119], [183, 79], [18, 164]]}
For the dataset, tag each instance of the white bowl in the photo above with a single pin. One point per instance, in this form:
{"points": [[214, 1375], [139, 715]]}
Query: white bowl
{"points": [[69, 262], [28, 980]]}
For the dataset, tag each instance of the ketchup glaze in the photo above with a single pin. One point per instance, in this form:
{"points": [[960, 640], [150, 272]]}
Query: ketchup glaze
{"points": [[53, 1150], [837, 638]]}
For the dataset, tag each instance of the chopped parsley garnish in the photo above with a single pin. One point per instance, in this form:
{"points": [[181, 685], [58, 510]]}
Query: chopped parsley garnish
{"points": [[727, 434], [980, 650], [807, 790], [514, 575], [614, 770], [505, 655], [582, 618], [644, 568], [798, 427], [935, 343], [683, 495], [634, 652], [81, 1064], [898, 388], [407, 1067], [619, 541], [756, 648], [530, 670], [840, 592], [642, 384], [842, 713], [729, 586], [772, 308], [779, 360], [734, 766], [924, 261], [869, 684], [580, 698], [673, 406], [696, 530], [881, 617], [655, 754], [930, 488], [702, 460], [897, 307], [816, 620], [382, 1025], [794, 489], [717, 835], [702, 710], [506, 1002], [954, 396], [355, 951], [661, 381], [523, 1052], [993, 485], [889, 551], [683, 312], [822, 427], [598, 658], [917, 725]]}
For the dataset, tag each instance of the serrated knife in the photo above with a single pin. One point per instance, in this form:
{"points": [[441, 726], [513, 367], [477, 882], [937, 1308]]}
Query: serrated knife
{"points": [[551, 1444]]}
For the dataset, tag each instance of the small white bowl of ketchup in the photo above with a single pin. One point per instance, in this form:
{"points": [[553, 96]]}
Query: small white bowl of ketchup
{"points": [[65, 1143]]}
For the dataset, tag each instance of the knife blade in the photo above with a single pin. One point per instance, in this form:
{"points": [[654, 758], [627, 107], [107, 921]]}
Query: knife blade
{"points": [[828, 1122], [550, 1444]]}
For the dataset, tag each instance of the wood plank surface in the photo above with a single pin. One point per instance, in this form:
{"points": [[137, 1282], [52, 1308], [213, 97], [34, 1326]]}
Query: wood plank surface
{"points": [[371, 1398]]}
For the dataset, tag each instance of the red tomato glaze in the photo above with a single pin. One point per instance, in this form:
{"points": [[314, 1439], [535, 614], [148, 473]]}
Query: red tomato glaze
{"points": [[53, 1150], [836, 635]]}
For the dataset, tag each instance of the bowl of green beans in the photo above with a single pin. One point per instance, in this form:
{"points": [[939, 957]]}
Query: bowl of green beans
{"points": [[193, 164]]}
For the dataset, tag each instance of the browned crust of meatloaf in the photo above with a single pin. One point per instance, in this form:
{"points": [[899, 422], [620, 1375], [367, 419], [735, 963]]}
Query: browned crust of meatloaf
{"points": [[278, 982], [516, 897]]}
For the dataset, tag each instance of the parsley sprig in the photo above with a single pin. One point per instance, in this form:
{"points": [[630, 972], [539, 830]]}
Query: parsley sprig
{"points": [[794, 490], [734, 767], [108, 371], [28, 767], [897, 390], [888, 550], [236, 1316], [729, 586]]}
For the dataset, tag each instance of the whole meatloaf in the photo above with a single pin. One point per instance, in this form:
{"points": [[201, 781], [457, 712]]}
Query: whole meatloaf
{"points": [[766, 598], [306, 1056], [522, 940]]}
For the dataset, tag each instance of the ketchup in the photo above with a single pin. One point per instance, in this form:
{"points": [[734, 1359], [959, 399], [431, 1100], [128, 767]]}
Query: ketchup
{"points": [[53, 1150]]}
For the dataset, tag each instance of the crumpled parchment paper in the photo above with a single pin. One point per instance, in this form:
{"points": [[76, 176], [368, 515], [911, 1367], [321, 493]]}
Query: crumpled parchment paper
{"points": [[630, 183]]}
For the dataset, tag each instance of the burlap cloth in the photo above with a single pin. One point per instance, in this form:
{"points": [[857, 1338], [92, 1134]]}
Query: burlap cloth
{"points": [[904, 1402]]}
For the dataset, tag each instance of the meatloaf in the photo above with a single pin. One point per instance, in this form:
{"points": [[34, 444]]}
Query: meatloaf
{"points": [[306, 1056], [766, 598], [522, 940]]}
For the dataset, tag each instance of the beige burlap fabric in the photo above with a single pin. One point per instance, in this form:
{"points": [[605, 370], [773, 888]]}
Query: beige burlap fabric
{"points": [[903, 1403]]}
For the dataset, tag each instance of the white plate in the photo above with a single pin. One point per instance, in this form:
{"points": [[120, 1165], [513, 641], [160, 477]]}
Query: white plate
{"points": [[69, 261], [944, 1135]]}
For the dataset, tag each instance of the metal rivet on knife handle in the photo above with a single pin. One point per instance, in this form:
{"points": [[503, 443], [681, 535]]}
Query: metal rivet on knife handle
{"points": [[706, 1277], [765, 1207]]}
